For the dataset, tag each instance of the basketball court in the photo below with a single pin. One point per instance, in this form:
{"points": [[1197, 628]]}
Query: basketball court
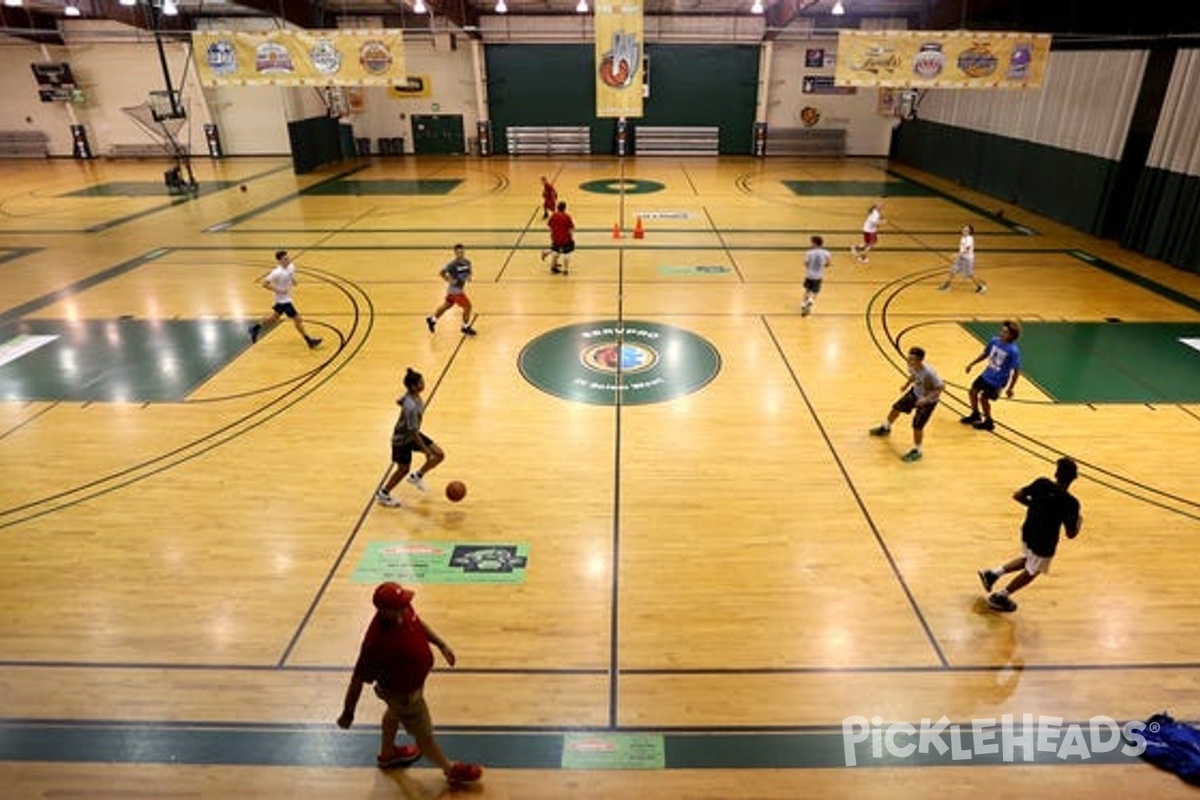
{"points": [[682, 565]]}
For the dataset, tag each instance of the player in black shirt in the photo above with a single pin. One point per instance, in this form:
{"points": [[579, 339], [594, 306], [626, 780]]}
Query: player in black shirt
{"points": [[1050, 507]]}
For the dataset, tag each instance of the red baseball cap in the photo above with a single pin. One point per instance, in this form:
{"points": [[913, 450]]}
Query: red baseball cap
{"points": [[391, 595]]}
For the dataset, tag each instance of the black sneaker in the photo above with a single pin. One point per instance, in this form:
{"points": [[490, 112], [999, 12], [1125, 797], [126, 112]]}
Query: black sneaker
{"points": [[987, 578], [467, 330], [970, 419], [314, 343], [557, 270], [431, 323], [1001, 602], [985, 425], [255, 330]]}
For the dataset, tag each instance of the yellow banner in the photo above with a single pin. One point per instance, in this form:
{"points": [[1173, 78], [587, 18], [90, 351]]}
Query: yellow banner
{"points": [[942, 59], [619, 50], [299, 58]]}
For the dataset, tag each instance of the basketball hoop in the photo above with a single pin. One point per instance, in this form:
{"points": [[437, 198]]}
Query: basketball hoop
{"points": [[165, 106]]}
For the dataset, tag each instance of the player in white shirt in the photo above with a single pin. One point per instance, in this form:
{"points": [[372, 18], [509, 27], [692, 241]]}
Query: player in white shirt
{"points": [[964, 261], [870, 233], [280, 281]]}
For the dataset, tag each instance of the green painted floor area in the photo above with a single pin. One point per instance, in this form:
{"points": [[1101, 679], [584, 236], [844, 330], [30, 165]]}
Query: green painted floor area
{"points": [[1108, 362], [143, 189], [326, 746], [123, 360], [426, 186], [859, 189]]}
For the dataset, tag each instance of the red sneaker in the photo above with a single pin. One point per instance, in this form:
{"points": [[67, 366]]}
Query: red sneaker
{"points": [[464, 773], [401, 757]]}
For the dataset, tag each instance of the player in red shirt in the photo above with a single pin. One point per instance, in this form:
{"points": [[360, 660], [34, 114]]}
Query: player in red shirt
{"points": [[562, 239], [396, 657], [549, 198]]}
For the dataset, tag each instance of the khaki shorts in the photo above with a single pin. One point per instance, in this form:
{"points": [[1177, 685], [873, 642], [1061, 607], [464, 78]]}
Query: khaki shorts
{"points": [[1035, 564], [410, 709]]}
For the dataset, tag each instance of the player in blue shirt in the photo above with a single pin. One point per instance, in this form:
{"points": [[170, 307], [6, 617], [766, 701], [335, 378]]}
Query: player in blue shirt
{"points": [[1001, 373]]}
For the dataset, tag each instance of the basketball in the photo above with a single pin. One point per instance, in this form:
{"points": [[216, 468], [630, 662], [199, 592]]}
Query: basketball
{"points": [[456, 490], [242, 187]]}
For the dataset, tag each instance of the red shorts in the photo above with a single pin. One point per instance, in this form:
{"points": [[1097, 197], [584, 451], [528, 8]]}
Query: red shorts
{"points": [[459, 300], [869, 239]]}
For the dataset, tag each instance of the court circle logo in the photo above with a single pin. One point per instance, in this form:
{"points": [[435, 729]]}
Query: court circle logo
{"points": [[606, 362], [619, 185]]}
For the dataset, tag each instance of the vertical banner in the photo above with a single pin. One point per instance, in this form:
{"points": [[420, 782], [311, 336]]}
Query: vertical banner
{"points": [[619, 58], [299, 58], [942, 59]]}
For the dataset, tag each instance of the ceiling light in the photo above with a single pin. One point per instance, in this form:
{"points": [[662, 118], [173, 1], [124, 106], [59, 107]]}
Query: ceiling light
{"points": [[129, 2], [169, 8], [757, 8], [71, 11], [13, 3], [838, 9], [419, 7], [501, 7], [582, 7]]}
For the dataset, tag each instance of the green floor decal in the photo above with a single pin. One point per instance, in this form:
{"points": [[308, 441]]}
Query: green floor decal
{"points": [[1108, 362], [442, 562]]}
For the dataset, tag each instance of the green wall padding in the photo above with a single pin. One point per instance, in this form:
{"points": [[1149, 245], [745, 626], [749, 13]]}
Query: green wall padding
{"points": [[1069, 187], [690, 85]]}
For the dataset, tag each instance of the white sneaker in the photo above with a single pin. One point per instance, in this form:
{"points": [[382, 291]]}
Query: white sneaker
{"points": [[385, 499], [416, 481], [806, 309]]}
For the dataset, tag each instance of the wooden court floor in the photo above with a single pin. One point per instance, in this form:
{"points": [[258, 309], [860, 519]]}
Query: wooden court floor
{"points": [[717, 566]]}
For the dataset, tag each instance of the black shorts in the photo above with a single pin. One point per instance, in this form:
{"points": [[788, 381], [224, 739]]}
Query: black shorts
{"points": [[985, 388], [812, 285], [287, 309], [403, 453], [563, 249], [908, 404]]}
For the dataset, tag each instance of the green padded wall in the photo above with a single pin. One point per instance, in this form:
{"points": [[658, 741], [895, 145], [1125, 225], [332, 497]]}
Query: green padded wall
{"points": [[689, 85]]}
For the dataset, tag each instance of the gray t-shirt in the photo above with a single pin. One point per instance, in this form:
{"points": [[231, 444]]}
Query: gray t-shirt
{"points": [[408, 424]]}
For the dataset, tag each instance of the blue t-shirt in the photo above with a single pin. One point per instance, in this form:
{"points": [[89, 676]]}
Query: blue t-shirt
{"points": [[1002, 358]]}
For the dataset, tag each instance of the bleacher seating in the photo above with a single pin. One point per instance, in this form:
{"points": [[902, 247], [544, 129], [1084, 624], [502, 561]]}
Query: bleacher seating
{"points": [[549, 140], [676, 141], [24, 144], [806, 142], [147, 150]]}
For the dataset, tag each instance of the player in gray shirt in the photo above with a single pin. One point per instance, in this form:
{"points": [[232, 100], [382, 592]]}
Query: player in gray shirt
{"points": [[920, 394]]}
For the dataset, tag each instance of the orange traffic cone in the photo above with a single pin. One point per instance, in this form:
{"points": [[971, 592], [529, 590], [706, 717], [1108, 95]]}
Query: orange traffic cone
{"points": [[638, 231], [616, 231]]}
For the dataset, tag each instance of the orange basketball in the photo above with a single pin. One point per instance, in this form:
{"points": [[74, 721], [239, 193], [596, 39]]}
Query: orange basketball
{"points": [[456, 490]]}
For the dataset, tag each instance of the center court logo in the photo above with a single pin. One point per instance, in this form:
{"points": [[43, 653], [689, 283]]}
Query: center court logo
{"points": [[989, 739], [631, 362]]}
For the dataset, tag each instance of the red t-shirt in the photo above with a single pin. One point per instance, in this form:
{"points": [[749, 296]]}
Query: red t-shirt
{"points": [[396, 655], [549, 197], [561, 226]]}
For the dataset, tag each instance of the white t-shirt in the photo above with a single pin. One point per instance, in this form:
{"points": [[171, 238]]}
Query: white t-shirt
{"points": [[966, 247], [282, 280], [871, 223]]}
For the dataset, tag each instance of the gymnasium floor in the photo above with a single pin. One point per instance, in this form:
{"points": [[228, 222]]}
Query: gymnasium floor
{"points": [[682, 564]]}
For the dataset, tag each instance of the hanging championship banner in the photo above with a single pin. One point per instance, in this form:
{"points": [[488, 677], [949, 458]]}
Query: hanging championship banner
{"points": [[299, 58], [942, 59], [619, 58]]}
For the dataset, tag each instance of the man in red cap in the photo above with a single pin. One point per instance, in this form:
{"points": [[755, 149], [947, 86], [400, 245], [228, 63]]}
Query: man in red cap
{"points": [[396, 657]]}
